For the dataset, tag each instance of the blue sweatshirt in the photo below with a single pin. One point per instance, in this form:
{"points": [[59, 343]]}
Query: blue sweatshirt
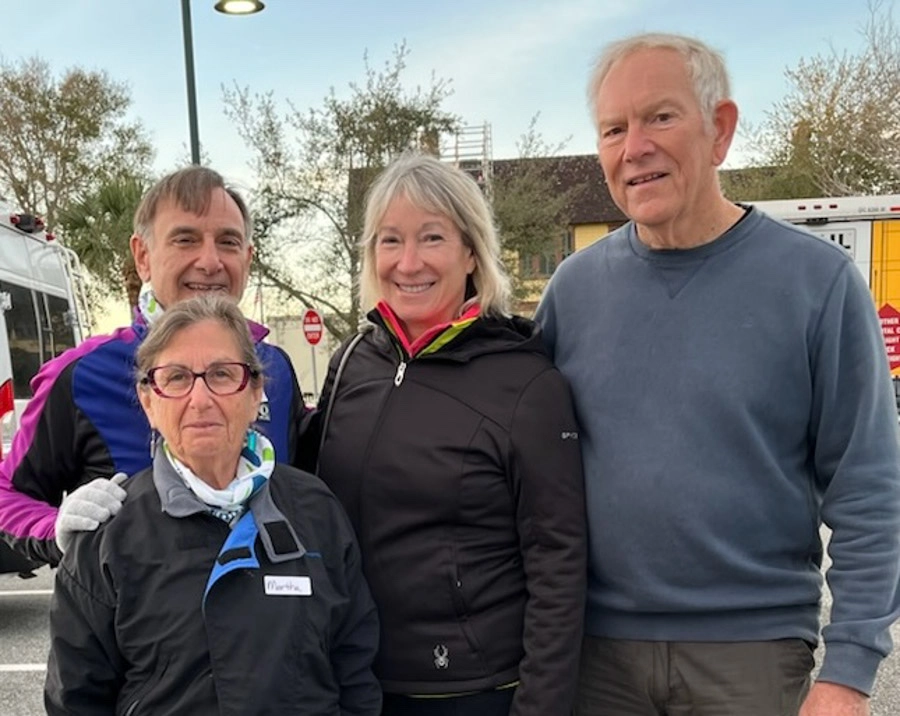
{"points": [[732, 398]]}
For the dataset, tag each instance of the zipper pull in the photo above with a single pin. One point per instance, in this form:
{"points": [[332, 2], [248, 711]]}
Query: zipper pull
{"points": [[401, 369]]}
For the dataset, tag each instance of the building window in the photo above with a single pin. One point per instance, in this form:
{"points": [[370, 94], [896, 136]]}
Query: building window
{"points": [[543, 265]]}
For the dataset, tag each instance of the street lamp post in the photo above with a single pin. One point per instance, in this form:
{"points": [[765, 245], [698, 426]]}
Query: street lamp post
{"points": [[229, 7], [189, 73]]}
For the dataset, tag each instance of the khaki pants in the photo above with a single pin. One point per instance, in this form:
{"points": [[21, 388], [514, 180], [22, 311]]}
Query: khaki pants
{"points": [[646, 678]]}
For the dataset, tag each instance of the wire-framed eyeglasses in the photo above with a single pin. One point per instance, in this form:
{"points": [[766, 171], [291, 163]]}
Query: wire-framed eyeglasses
{"points": [[176, 381]]}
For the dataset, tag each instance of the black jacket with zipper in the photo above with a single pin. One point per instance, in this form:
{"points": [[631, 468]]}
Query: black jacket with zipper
{"points": [[164, 610], [460, 470]]}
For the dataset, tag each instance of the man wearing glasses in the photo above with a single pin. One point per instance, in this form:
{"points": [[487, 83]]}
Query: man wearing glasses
{"points": [[192, 236]]}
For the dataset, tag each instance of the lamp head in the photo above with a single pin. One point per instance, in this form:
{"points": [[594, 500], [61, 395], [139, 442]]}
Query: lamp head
{"points": [[239, 7]]}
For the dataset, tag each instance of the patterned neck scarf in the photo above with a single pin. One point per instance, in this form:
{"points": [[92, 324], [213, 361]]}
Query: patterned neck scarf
{"points": [[149, 307], [255, 466]]}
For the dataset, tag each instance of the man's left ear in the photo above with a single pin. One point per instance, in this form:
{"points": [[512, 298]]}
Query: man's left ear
{"points": [[725, 119], [141, 253]]}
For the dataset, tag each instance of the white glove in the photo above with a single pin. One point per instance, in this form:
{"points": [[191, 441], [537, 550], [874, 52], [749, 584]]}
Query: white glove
{"points": [[88, 507]]}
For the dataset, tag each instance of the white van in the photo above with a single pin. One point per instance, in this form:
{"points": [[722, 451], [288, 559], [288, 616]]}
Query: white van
{"points": [[38, 321]]}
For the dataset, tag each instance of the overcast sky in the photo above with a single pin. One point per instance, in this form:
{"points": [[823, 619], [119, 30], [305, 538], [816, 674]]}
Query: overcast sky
{"points": [[507, 59]]}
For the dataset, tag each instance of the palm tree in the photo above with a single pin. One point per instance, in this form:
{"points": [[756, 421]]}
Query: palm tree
{"points": [[98, 228]]}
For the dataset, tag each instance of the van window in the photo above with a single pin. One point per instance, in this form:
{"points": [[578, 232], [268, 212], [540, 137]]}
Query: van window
{"points": [[24, 338], [59, 335]]}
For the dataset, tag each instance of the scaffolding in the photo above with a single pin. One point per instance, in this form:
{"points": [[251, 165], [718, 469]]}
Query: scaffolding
{"points": [[469, 149]]}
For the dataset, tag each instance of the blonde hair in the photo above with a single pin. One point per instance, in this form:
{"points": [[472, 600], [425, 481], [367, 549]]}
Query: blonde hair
{"points": [[440, 188]]}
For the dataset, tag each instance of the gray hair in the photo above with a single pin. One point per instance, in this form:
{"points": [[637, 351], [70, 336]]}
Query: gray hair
{"points": [[189, 312], [440, 188], [705, 67], [191, 189]]}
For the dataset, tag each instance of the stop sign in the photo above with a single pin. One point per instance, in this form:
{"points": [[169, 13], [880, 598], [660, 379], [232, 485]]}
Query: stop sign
{"points": [[312, 326]]}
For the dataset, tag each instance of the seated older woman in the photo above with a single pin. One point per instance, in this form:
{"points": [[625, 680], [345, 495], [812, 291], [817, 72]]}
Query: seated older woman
{"points": [[227, 583]]}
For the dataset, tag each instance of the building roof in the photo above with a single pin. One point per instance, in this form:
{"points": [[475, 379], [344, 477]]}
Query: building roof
{"points": [[592, 204]]}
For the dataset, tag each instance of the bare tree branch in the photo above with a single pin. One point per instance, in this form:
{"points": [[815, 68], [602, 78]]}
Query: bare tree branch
{"points": [[313, 167], [837, 130]]}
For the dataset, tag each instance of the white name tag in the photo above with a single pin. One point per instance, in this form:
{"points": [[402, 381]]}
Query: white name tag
{"points": [[288, 586]]}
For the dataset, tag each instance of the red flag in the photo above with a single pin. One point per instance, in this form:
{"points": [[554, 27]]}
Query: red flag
{"points": [[7, 403]]}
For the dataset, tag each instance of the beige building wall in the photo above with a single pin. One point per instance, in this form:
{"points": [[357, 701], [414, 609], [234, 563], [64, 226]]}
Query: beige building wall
{"points": [[310, 364], [586, 234], [583, 235]]}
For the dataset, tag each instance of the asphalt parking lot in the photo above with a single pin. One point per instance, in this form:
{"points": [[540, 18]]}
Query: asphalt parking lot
{"points": [[24, 642]]}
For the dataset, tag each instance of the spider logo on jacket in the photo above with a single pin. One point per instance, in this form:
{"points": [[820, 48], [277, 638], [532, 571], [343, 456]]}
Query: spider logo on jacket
{"points": [[441, 657]]}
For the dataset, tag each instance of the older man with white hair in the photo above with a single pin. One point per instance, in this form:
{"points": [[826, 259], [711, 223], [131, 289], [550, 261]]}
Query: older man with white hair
{"points": [[733, 393]]}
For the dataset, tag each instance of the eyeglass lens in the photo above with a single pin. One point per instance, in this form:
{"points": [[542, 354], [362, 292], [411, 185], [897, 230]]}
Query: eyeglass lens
{"points": [[221, 378]]}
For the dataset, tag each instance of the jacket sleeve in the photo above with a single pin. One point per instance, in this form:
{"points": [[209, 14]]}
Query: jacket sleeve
{"points": [[85, 669], [355, 641], [43, 463], [549, 491], [284, 383], [309, 427], [857, 464]]}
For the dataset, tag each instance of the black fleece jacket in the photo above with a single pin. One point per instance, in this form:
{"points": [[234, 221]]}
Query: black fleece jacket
{"points": [[460, 470]]}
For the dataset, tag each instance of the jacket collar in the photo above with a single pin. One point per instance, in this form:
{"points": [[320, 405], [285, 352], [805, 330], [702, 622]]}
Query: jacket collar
{"points": [[276, 533], [434, 338]]}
